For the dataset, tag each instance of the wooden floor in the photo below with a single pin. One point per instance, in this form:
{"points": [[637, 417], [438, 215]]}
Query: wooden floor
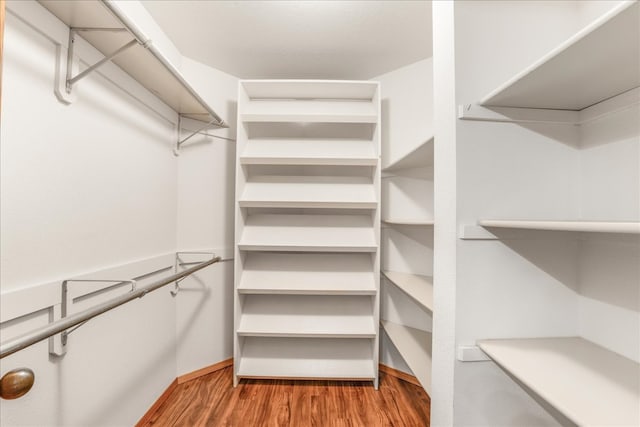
{"points": [[212, 401]]}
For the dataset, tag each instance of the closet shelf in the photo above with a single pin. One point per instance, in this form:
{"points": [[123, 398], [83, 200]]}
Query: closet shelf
{"points": [[299, 316], [414, 345], [307, 274], [144, 61], [585, 382], [628, 227], [416, 222], [271, 191], [310, 111], [325, 152], [570, 77], [420, 157], [306, 358], [310, 89], [308, 233], [418, 287]]}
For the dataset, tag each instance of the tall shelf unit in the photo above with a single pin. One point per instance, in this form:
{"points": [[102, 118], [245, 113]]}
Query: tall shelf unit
{"points": [[307, 230], [405, 192], [592, 79]]}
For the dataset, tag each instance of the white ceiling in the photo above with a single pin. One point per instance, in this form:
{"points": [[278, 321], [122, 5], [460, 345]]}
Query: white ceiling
{"points": [[330, 39]]}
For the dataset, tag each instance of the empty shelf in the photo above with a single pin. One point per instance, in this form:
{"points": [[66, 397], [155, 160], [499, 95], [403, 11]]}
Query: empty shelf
{"points": [[585, 382], [414, 345], [417, 222], [306, 358], [629, 227], [310, 111], [332, 152], [570, 77], [310, 89], [308, 233], [418, 287], [420, 157], [307, 274], [307, 316], [270, 191], [146, 64]]}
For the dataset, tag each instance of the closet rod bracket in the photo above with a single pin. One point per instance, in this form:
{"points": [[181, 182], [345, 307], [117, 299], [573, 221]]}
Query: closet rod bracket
{"points": [[179, 142], [70, 78]]}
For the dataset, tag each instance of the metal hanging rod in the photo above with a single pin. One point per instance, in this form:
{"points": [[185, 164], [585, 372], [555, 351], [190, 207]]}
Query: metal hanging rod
{"points": [[19, 343]]}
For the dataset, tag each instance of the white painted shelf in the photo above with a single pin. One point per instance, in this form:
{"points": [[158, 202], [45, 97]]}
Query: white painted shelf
{"points": [[418, 287], [310, 89], [308, 233], [307, 274], [307, 316], [585, 382], [420, 157], [571, 76], [408, 221], [629, 227], [307, 358], [326, 152], [146, 64], [310, 111], [415, 347], [272, 191]]}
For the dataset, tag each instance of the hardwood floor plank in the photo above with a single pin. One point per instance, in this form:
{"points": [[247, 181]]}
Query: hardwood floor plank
{"points": [[212, 401]]}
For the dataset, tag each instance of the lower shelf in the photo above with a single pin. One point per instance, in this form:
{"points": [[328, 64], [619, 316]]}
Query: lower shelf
{"points": [[588, 384], [306, 358], [414, 345]]}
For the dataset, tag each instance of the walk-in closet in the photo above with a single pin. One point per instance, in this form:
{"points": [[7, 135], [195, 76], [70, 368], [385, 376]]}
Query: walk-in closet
{"points": [[324, 213]]}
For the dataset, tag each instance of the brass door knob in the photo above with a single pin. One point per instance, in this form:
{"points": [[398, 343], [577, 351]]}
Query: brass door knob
{"points": [[16, 383]]}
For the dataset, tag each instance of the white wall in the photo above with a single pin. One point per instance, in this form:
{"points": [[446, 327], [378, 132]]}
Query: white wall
{"points": [[93, 189], [407, 110]]}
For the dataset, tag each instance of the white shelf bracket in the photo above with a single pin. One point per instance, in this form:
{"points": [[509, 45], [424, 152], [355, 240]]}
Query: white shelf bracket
{"points": [[471, 353], [65, 84], [476, 112], [179, 142], [475, 232]]}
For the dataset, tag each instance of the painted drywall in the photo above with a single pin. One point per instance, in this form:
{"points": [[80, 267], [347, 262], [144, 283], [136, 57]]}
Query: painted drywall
{"points": [[84, 186], [205, 220], [407, 98]]}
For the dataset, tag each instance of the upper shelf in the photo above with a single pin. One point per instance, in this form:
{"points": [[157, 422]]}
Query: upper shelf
{"points": [[585, 382], [597, 63], [144, 61], [408, 221], [629, 227], [326, 152], [310, 111]]}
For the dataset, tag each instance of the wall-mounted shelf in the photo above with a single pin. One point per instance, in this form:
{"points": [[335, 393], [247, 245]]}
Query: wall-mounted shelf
{"points": [[308, 274], [325, 152], [310, 111], [143, 61], [408, 221], [270, 191], [585, 382], [629, 227], [420, 157], [415, 347], [564, 78], [418, 287]]}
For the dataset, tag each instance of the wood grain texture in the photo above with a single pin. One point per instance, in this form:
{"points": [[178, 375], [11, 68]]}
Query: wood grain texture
{"points": [[204, 371], [211, 400], [158, 403], [399, 374]]}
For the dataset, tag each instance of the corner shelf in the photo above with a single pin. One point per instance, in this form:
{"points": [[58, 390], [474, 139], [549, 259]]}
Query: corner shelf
{"points": [[415, 347], [420, 157], [418, 287], [629, 227], [563, 79], [144, 61], [585, 382], [412, 222]]}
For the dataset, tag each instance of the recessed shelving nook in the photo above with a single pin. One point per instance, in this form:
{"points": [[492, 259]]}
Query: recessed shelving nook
{"points": [[307, 230], [588, 88]]}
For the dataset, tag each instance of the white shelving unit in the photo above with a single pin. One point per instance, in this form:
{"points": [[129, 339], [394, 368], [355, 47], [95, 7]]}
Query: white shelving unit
{"points": [[415, 347], [307, 230], [417, 286], [597, 70], [588, 384]]}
